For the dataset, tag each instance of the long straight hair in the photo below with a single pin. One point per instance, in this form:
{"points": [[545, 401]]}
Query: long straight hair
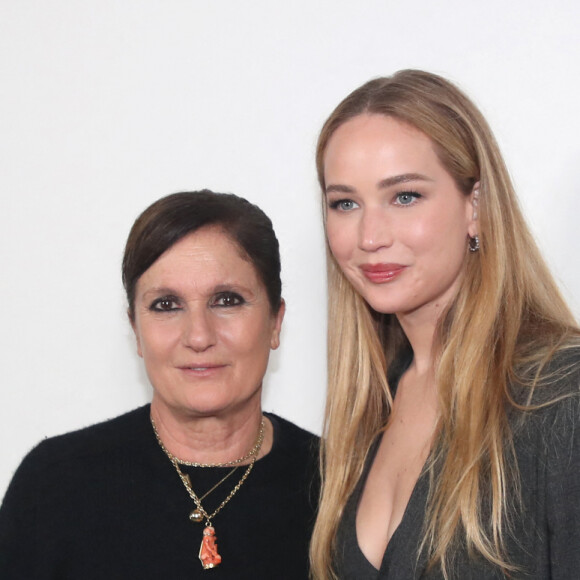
{"points": [[506, 321]]}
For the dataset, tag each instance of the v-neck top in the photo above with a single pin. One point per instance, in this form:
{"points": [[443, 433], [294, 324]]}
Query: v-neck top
{"points": [[398, 562], [352, 564], [544, 540]]}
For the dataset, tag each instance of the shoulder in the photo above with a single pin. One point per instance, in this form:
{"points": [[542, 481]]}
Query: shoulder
{"points": [[292, 440], [292, 464], [289, 432], [60, 471], [555, 379], [120, 434], [549, 415]]}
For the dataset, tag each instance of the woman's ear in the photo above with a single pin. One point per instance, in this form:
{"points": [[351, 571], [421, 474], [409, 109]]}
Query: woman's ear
{"points": [[135, 332], [279, 317], [473, 228]]}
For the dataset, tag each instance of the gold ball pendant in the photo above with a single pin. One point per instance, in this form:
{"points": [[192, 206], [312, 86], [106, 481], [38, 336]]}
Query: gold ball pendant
{"points": [[196, 516]]}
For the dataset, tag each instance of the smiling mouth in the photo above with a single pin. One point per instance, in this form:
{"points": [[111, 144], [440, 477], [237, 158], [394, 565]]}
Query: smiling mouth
{"points": [[381, 273], [201, 368]]}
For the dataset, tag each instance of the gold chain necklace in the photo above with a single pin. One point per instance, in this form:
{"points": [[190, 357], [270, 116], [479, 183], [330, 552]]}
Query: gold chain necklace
{"points": [[214, 487], [251, 453], [208, 553]]}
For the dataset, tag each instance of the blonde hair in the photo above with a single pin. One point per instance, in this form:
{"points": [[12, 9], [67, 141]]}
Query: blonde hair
{"points": [[505, 323]]}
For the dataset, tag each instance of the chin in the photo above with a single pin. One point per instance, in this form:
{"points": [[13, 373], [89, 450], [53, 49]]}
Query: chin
{"points": [[206, 407], [214, 405], [386, 305]]}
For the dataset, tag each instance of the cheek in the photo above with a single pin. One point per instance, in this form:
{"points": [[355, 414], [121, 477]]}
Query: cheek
{"points": [[423, 235], [339, 239], [432, 234], [237, 334], [155, 340], [438, 245], [250, 339]]}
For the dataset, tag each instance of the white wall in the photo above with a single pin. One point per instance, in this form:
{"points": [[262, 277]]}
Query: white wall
{"points": [[106, 106]]}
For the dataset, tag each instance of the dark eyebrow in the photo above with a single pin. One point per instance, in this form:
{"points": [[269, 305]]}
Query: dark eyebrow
{"points": [[232, 286], [160, 290], [383, 184]]}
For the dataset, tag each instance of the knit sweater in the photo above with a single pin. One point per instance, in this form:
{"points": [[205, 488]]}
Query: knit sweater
{"points": [[105, 502]]}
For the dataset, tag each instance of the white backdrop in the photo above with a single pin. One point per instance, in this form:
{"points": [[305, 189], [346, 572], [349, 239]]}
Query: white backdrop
{"points": [[107, 105]]}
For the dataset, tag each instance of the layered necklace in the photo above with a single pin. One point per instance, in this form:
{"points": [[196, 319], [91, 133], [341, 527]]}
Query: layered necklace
{"points": [[208, 553]]}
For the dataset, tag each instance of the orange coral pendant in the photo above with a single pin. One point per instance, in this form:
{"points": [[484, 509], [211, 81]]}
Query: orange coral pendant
{"points": [[208, 551]]}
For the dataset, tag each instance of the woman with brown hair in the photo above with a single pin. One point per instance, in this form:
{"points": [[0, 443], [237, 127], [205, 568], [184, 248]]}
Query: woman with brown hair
{"points": [[452, 431], [201, 478]]}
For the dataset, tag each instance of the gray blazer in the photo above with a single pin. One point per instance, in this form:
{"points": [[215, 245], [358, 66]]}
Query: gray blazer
{"points": [[545, 539]]}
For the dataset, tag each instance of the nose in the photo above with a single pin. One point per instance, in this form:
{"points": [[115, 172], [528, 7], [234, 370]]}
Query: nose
{"points": [[375, 231], [199, 332]]}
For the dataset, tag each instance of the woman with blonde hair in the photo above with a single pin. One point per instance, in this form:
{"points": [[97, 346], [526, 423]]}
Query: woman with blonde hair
{"points": [[452, 429]]}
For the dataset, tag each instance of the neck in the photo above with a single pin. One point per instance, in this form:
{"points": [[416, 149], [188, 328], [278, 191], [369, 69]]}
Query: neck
{"points": [[421, 335], [211, 439], [419, 326]]}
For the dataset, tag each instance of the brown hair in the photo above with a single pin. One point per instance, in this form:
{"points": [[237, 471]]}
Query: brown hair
{"points": [[506, 321], [173, 217]]}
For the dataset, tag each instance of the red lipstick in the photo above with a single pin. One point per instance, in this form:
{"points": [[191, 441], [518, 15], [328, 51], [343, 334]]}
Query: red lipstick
{"points": [[381, 273]]}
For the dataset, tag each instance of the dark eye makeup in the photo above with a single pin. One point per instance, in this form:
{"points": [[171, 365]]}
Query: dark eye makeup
{"points": [[170, 303], [165, 304], [227, 299]]}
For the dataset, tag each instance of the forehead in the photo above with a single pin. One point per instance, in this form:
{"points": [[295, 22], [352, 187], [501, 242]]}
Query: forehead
{"points": [[207, 256], [377, 130], [371, 148], [377, 153]]}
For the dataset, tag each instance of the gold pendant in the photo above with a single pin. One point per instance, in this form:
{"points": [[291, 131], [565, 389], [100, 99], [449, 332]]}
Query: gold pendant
{"points": [[196, 516], [208, 554]]}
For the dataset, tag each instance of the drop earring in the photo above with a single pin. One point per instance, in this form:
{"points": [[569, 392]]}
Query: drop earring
{"points": [[473, 243]]}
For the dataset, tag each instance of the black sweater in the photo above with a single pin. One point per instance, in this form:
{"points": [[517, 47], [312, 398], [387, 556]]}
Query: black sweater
{"points": [[106, 503]]}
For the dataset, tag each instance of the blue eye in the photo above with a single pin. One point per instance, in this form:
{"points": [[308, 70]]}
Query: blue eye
{"points": [[227, 300], [165, 304], [407, 197], [343, 205]]}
